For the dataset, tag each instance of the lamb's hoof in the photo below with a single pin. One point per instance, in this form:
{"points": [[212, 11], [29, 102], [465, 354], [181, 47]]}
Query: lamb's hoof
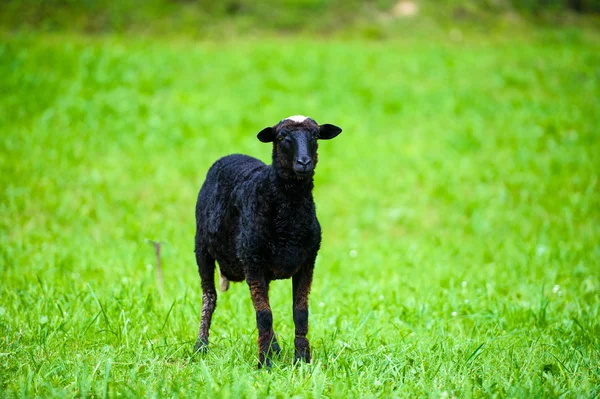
{"points": [[275, 348], [302, 351], [265, 363], [301, 357], [201, 345]]}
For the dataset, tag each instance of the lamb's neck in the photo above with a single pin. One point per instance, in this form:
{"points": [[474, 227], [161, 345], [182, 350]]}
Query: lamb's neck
{"points": [[291, 187]]}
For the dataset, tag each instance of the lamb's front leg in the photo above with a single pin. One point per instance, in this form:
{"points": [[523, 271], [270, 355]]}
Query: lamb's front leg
{"points": [[267, 343], [301, 282]]}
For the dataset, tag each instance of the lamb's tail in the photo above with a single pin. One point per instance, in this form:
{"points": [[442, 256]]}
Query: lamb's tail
{"points": [[224, 283]]}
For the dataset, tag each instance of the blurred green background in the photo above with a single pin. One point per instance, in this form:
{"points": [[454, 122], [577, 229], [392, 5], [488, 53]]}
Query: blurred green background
{"points": [[460, 206], [200, 18]]}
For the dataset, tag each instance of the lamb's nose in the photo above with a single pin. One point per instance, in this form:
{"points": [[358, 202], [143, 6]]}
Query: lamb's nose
{"points": [[303, 161]]}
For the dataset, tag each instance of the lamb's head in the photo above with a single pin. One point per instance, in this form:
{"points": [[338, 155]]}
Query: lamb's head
{"points": [[295, 144]]}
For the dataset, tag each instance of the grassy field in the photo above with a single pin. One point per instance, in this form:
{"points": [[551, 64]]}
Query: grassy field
{"points": [[460, 210]]}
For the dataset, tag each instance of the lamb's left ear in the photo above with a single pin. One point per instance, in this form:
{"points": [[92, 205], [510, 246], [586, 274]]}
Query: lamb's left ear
{"points": [[328, 131], [266, 135]]}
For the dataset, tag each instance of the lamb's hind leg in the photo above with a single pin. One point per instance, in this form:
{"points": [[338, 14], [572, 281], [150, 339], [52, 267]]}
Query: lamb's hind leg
{"points": [[206, 269]]}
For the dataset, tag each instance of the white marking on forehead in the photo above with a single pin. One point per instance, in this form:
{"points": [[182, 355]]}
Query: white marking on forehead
{"points": [[297, 118]]}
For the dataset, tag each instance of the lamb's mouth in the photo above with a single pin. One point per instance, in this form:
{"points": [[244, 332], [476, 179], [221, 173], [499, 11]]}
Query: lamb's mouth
{"points": [[303, 173]]}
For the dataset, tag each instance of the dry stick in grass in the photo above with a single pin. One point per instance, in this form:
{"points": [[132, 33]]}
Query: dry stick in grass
{"points": [[159, 276], [16, 339]]}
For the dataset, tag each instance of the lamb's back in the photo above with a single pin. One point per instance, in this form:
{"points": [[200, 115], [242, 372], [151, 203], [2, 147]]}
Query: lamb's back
{"points": [[230, 182]]}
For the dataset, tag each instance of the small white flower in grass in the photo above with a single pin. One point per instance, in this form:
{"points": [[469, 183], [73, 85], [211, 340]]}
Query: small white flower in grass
{"points": [[321, 304], [353, 253], [43, 319], [454, 314], [540, 250], [381, 297], [148, 267], [556, 289], [463, 284], [444, 395]]}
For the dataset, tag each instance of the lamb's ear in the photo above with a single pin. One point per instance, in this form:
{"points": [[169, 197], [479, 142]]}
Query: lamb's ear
{"points": [[328, 131], [266, 135]]}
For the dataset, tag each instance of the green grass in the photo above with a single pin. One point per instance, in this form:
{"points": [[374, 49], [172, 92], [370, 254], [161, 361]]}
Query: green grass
{"points": [[460, 212]]}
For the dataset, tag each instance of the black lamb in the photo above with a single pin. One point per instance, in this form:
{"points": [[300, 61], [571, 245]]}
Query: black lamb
{"points": [[259, 223]]}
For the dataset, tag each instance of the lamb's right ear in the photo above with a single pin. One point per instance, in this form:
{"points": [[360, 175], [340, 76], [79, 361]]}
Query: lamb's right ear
{"points": [[266, 135]]}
